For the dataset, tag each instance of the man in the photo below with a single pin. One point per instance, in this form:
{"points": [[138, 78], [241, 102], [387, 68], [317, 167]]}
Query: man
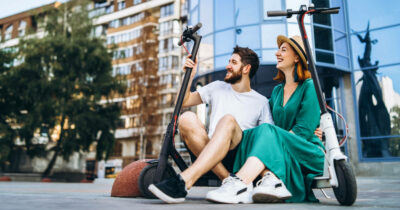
{"points": [[232, 100]]}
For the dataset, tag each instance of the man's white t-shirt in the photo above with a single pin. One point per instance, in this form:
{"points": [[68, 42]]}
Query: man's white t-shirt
{"points": [[250, 109]]}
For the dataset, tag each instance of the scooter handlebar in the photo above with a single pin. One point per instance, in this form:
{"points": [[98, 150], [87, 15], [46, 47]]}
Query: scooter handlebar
{"points": [[189, 32]]}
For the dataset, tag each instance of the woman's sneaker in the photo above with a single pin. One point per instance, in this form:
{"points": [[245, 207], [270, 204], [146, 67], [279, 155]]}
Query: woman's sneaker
{"points": [[172, 190], [270, 189], [232, 190]]}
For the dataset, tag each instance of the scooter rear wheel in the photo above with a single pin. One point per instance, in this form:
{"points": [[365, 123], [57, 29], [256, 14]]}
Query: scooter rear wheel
{"points": [[346, 192], [147, 175]]}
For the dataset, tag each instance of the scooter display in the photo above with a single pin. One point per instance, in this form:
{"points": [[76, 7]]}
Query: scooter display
{"points": [[338, 173]]}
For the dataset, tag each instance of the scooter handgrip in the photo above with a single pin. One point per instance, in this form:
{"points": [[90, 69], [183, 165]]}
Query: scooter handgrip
{"points": [[196, 27], [331, 11], [276, 13]]}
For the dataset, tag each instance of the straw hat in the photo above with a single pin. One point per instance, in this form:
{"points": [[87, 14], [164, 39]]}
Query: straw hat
{"points": [[297, 43]]}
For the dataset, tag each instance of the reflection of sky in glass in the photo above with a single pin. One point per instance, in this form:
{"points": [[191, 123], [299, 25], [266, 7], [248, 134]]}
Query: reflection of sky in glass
{"points": [[387, 49]]}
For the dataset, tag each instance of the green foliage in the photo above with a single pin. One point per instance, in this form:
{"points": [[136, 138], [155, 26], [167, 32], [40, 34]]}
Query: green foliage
{"points": [[7, 134], [60, 84]]}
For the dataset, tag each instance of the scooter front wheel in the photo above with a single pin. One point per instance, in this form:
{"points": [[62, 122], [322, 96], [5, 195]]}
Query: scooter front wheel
{"points": [[147, 175], [346, 192]]}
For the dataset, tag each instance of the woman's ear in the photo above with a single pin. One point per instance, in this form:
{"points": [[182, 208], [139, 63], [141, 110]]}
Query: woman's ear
{"points": [[296, 59]]}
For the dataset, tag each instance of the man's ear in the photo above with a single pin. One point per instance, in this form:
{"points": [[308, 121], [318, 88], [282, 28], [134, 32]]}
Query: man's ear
{"points": [[246, 69]]}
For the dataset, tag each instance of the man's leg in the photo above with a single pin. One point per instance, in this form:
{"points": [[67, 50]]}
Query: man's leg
{"points": [[195, 136], [227, 136]]}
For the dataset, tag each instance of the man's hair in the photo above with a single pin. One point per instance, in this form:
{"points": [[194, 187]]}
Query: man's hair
{"points": [[248, 56]]}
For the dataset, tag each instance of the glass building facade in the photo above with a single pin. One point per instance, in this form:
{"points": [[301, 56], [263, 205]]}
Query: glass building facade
{"points": [[336, 48]]}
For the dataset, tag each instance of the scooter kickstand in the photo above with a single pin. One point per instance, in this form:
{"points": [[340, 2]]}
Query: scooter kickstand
{"points": [[326, 195]]}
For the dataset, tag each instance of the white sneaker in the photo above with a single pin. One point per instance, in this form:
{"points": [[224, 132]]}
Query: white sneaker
{"points": [[270, 189], [232, 190]]}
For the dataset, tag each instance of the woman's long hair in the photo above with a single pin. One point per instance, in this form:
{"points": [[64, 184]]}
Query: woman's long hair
{"points": [[301, 74]]}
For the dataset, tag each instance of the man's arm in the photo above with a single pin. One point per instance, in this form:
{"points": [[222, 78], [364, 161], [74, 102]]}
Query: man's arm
{"points": [[191, 98]]}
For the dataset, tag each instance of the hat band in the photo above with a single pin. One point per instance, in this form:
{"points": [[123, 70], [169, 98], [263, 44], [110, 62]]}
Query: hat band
{"points": [[298, 46]]}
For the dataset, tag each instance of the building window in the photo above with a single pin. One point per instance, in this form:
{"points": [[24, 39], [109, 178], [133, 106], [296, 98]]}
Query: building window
{"points": [[110, 9], [121, 5], [21, 28], [137, 2], [323, 34], [167, 10], [8, 33]]}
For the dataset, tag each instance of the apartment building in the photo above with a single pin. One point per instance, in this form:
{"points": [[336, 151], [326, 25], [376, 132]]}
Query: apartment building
{"points": [[144, 36]]}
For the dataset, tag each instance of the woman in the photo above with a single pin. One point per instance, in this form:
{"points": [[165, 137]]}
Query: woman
{"points": [[287, 154]]}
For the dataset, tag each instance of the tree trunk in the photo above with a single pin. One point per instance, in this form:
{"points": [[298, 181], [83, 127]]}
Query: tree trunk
{"points": [[49, 169]]}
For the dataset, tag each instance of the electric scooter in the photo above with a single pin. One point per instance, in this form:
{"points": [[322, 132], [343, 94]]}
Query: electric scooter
{"points": [[158, 170], [338, 173]]}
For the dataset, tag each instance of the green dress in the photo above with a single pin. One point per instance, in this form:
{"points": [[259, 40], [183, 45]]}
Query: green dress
{"points": [[294, 158]]}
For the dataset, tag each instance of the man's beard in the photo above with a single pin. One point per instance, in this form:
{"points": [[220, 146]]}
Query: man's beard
{"points": [[235, 77]]}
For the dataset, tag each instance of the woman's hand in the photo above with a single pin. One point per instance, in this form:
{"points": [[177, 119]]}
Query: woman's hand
{"points": [[190, 64], [318, 133]]}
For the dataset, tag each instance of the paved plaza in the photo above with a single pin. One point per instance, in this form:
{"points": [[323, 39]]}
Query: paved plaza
{"points": [[373, 193]]}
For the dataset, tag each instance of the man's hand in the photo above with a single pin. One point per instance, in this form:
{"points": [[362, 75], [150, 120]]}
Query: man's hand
{"points": [[318, 133], [190, 64]]}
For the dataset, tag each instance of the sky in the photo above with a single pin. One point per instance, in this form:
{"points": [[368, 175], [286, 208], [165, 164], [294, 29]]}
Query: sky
{"points": [[10, 7]]}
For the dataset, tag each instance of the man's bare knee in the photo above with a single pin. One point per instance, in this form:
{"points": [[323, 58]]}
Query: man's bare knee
{"points": [[187, 120], [229, 122]]}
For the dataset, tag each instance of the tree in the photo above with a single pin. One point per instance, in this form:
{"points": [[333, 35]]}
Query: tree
{"points": [[7, 134], [65, 84], [394, 144]]}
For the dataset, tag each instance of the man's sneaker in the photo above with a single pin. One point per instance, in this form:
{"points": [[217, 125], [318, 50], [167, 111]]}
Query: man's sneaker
{"points": [[232, 190], [171, 190], [270, 189]]}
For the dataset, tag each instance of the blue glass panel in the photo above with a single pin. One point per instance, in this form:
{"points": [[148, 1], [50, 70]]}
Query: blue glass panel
{"points": [[249, 37], [247, 12], [193, 3], [270, 5], [338, 19], [206, 16], [341, 43], [221, 61], [269, 34], [194, 17], [269, 56], [224, 42], [342, 61], [224, 14]]}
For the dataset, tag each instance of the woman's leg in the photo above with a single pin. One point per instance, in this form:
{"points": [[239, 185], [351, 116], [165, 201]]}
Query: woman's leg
{"points": [[227, 135], [251, 169]]}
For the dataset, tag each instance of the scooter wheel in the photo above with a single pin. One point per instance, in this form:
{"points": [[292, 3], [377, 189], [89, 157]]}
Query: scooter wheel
{"points": [[147, 175], [346, 192]]}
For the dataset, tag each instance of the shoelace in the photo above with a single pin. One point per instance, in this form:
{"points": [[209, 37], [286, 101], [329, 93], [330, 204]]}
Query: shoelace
{"points": [[265, 177], [229, 181]]}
